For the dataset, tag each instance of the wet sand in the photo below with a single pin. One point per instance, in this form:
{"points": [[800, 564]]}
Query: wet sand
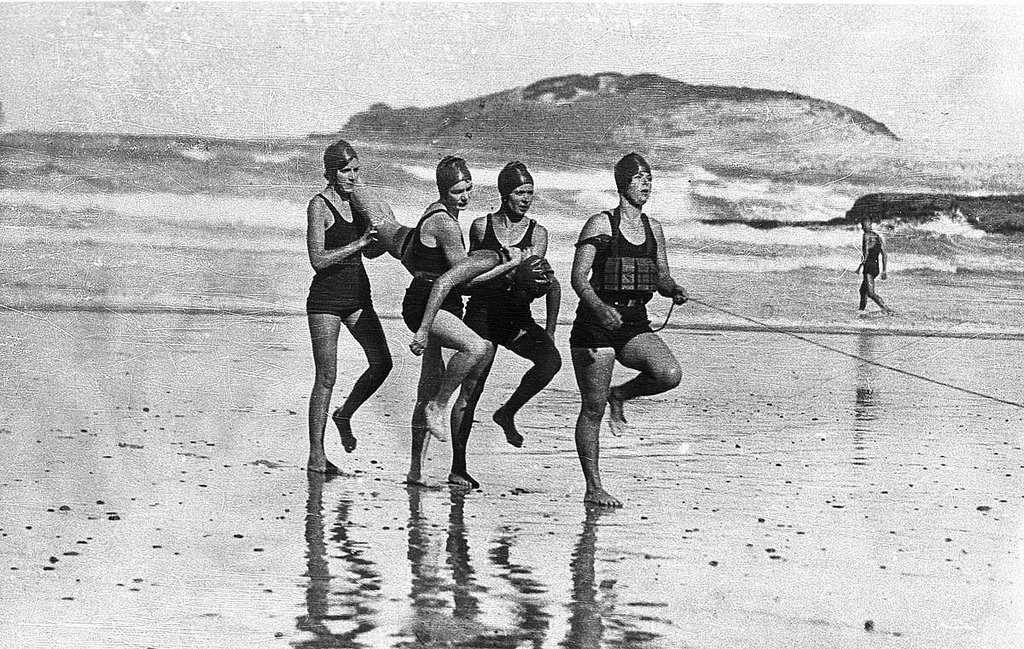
{"points": [[782, 496]]}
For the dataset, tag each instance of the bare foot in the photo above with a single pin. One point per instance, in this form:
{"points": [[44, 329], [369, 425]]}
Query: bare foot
{"points": [[434, 419], [322, 465], [601, 498], [507, 424], [419, 481], [348, 440], [463, 480], [616, 416], [888, 311]]}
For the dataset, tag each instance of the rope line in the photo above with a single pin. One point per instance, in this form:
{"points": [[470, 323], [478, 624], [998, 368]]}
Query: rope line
{"points": [[668, 315], [849, 355]]}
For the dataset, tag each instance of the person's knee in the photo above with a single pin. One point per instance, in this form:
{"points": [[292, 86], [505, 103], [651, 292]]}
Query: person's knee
{"points": [[326, 377], [479, 349], [382, 364], [668, 376], [549, 365], [593, 409]]}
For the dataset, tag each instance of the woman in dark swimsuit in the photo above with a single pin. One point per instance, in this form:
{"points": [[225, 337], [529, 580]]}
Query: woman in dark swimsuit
{"points": [[615, 278], [498, 313], [872, 251], [337, 237], [435, 245]]}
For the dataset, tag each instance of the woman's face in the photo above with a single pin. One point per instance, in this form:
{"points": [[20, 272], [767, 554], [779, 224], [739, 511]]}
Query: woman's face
{"points": [[347, 177], [865, 225], [458, 195], [639, 190], [520, 199]]}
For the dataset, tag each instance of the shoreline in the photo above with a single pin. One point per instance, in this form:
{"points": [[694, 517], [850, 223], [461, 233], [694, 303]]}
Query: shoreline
{"points": [[698, 326]]}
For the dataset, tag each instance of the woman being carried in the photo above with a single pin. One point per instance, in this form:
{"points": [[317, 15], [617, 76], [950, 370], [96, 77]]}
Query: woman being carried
{"points": [[435, 245], [504, 272]]}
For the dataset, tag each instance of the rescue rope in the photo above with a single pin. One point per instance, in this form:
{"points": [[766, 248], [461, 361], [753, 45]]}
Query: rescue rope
{"points": [[836, 350]]}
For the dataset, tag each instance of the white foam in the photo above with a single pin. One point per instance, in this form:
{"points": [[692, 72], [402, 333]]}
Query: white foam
{"points": [[946, 225], [277, 158], [197, 153], [209, 208]]}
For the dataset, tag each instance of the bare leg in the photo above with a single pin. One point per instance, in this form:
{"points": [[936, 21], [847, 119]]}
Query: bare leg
{"points": [[463, 412], [659, 372], [593, 375], [868, 290], [390, 233], [616, 414], [365, 328], [536, 346], [431, 369], [323, 331], [471, 352]]}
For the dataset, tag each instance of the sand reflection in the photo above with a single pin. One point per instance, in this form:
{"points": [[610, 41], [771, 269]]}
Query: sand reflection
{"points": [[594, 621], [865, 406], [530, 617], [354, 599]]}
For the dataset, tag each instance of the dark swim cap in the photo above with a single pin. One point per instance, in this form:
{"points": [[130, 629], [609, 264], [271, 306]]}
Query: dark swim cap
{"points": [[337, 156], [630, 165], [511, 176], [451, 171]]}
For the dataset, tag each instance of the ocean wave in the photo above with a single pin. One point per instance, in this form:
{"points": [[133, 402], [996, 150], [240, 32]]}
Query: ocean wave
{"points": [[163, 206]]}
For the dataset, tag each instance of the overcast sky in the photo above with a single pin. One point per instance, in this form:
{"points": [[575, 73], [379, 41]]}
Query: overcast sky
{"points": [[946, 73]]}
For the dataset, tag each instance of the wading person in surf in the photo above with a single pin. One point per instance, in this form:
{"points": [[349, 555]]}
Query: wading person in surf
{"points": [[434, 246], [504, 272], [872, 252], [620, 263], [338, 235]]}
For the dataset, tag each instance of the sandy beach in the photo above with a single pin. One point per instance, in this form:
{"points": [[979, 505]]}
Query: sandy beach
{"points": [[823, 477], [782, 496]]}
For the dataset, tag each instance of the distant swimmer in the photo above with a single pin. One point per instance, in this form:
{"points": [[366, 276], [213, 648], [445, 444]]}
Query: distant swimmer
{"points": [[436, 245], [620, 262], [504, 272], [872, 251], [338, 235]]}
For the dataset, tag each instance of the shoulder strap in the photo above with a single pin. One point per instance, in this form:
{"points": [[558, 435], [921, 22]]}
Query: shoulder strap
{"points": [[650, 243], [334, 210], [527, 240], [614, 219], [489, 235]]}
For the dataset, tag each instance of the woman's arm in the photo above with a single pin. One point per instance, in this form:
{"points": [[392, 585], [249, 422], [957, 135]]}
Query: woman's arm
{"points": [[447, 236], [470, 266], [552, 303], [316, 222], [582, 263], [553, 299], [667, 286], [515, 256]]}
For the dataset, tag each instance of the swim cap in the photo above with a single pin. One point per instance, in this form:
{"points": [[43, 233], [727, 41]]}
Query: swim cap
{"points": [[532, 278], [337, 156], [511, 176], [630, 165], [451, 171]]}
